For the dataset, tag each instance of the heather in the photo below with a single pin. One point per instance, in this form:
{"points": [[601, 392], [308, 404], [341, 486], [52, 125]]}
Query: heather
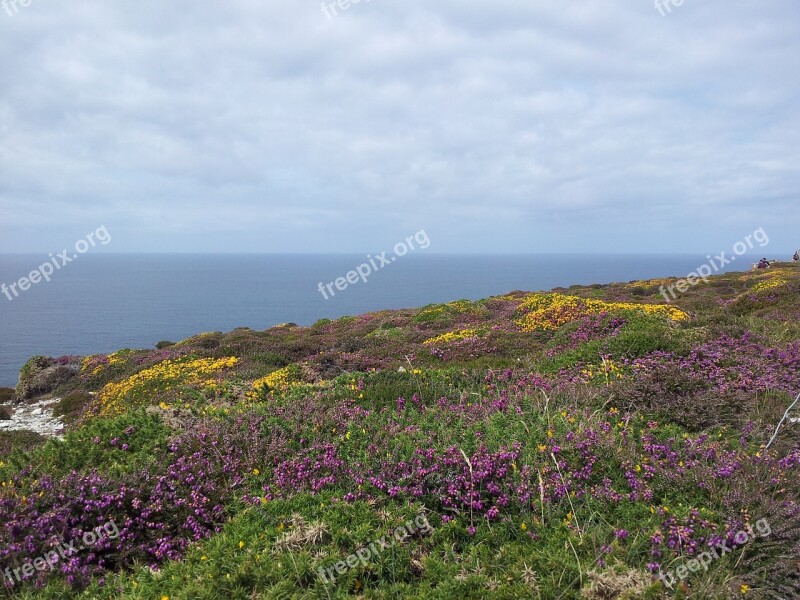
{"points": [[570, 444]]}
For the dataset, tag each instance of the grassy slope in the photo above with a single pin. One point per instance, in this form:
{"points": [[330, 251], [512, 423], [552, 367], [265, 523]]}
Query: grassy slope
{"points": [[554, 456]]}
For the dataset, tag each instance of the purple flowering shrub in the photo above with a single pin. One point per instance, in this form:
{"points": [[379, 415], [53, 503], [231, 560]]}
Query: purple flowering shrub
{"points": [[718, 382], [730, 364], [585, 329], [183, 496], [514, 448], [162, 354], [67, 360], [579, 457], [769, 489]]}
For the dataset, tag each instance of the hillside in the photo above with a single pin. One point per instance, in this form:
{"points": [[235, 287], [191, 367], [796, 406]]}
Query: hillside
{"points": [[591, 442]]}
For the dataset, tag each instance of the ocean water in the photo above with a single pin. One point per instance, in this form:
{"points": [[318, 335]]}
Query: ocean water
{"points": [[104, 302]]}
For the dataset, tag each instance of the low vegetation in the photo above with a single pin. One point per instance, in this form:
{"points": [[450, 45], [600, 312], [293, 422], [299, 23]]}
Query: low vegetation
{"points": [[562, 445]]}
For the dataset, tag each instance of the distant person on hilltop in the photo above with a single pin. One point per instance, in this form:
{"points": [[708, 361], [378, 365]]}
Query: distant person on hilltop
{"points": [[796, 257], [763, 264]]}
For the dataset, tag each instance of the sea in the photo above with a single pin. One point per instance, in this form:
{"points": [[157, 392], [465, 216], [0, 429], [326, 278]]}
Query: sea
{"points": [[104, 302]]}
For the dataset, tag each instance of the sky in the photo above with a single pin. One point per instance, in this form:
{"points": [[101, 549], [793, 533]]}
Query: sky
{"points": [[497, 127]]}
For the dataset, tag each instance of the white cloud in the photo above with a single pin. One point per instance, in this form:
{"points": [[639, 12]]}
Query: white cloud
{"points": [[265, 126]]}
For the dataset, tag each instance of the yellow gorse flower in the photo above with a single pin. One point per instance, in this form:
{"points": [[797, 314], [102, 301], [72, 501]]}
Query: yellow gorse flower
{"points": [[166, 375], [118, 358], [279, 381], [552, 310], [451, 336], [773, 281]]}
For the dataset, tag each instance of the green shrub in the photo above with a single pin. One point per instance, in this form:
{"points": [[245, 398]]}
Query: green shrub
{"points": [[96, 445], [14, 441], [446, 314], [208, 343], [269, 359], [640, 336], [640, 342], [5, 412], [7, 395], [164, 344], [585, 353], [350, 343], [71, 406], [386, 332]]}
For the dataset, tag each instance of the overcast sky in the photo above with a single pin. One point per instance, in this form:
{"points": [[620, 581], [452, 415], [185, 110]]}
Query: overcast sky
{"points": [[500, 126]]}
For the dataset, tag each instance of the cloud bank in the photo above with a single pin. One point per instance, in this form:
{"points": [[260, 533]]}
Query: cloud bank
{"points": [[251, 126]]}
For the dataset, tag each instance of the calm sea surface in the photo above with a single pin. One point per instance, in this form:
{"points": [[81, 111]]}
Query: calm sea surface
{"points": [[104, 302]]}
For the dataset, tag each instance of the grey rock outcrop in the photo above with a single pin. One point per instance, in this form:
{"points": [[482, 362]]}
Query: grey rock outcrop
{"points": [[42, 374]]}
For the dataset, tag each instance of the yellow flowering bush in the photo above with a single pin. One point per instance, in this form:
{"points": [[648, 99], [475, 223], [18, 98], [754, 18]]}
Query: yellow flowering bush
{"points": [[451, 336], [770, 284], [550, 311], [162, 377], [277, 381], [119, 357], [94, 365]]}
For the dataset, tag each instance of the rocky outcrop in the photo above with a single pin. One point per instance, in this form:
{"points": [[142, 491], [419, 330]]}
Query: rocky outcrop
{"points": [[37, 417], [42, 374]]}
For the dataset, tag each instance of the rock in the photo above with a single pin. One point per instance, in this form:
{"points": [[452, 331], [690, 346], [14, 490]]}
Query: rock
{"points": [[42, 375], [37, 417]]}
